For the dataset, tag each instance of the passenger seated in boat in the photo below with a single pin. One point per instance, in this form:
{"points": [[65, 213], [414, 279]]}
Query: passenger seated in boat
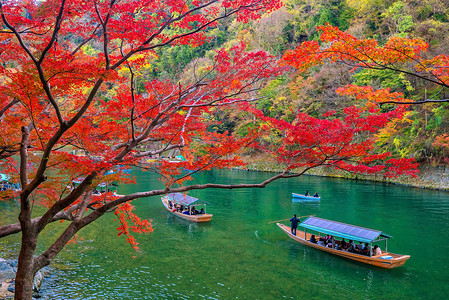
{"points": [[186, 212], [194, 211], [307, 193], [96, 192], [352, 248], [366, 250], [202, 211], [312, 239], [343, 244], [376, 250], [316, 195], [361, 247], [170, 205]]}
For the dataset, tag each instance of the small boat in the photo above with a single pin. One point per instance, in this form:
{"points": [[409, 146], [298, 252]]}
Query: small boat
{"points": [[104, 188], [6, 184], [100, 190], [304, 197], [178, 199], [386, 259]]}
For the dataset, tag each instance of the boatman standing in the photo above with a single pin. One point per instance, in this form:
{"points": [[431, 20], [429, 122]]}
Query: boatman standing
{"points": [[295, 221]]}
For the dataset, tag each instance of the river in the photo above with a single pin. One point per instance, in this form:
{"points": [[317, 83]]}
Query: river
{"points": [[239, 255]]}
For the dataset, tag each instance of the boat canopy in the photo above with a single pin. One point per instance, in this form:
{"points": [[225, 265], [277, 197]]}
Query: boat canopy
{"points": [[4, 177], [179, 198], [343, 230]]}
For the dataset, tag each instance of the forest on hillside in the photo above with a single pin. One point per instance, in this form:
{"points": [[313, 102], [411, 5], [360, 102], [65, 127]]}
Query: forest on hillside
{"points": [[420, 134]]}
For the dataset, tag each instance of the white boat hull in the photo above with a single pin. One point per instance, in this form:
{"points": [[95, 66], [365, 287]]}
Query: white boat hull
{"points": [[299, 196]]}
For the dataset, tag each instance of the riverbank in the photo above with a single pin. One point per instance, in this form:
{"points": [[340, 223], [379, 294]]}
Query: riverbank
{"points": [[8, 269], [430, 177]]}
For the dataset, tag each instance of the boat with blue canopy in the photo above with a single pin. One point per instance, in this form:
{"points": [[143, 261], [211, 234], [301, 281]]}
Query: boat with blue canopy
{"points": [[6, 184], [100, 190], [335, 244], [185, 207]]}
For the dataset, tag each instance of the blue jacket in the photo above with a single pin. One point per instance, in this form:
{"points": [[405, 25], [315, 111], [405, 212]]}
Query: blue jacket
{"points": [[295, 221]]}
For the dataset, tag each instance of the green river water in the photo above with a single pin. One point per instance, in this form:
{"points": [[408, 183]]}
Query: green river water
{"points": [[239, 255]]}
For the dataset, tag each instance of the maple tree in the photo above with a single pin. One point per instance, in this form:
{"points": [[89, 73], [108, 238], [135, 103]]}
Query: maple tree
{"points": [[403, 56], [69, 72]]}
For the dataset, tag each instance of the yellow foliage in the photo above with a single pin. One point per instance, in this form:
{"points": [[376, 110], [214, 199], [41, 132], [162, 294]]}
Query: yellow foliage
{"points": [[364, 5], [140, 62], [390, 130]]}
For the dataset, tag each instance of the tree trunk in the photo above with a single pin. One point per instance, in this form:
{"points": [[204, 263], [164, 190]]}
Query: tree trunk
{"points": [[25, 267]]}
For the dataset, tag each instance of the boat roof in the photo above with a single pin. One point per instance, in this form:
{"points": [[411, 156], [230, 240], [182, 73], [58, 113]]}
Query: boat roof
{"points": [[179, 198], [343, 230], [4, 177]]}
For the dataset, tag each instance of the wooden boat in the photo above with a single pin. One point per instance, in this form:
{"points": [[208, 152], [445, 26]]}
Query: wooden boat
{"points": [[304, 197], [178, 199], [386, 260]]}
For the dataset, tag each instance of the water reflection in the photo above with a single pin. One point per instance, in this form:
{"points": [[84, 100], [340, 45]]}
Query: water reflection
{"points": [[305, 203]]}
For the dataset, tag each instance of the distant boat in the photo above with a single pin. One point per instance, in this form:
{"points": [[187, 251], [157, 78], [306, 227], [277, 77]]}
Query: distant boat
{"points": [[299, 196], [386, 259], [100, 190], [178, 200], [6, 184]]}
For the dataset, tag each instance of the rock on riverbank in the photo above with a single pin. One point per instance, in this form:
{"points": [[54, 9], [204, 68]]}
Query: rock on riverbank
{"points": [[8, 269]]}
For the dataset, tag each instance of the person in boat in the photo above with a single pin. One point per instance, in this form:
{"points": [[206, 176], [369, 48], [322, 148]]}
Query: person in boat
{"points": [[316, 195], [313, 239], [194, 211], [307, 193], [343, 244], [202, 211], [170, 204], [376, 250], [361, 247], [366, 250], [186, 212], [352, 248], [295, 221]]}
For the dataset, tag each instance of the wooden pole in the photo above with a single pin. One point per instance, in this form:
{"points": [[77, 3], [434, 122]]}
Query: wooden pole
{"points": [[290, 218]]}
